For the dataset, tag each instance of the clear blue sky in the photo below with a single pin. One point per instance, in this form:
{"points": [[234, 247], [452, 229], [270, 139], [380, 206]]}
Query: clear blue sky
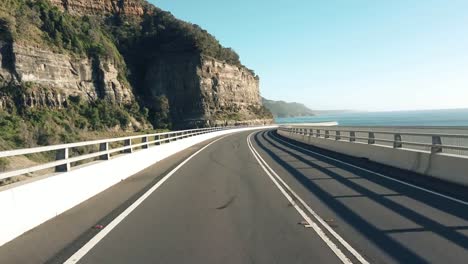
{"points": [[345, 54]]}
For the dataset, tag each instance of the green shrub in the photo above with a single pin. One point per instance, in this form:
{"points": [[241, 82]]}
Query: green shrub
{"points": [[160, 116], [4, 164], [10, 129]]}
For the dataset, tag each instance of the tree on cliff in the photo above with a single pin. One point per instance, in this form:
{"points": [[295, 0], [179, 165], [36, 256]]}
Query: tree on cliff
{"points": [[161, 114]]}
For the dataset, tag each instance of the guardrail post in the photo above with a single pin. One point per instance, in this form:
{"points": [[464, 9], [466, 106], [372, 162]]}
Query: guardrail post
{"points": [[327, 134], [104, 147], [128, 142], [157, 138], [145, 140], [436, 144], [318, 133], [352, 136], [337, 135], [62, 154], [371, 139], [397, 141]]}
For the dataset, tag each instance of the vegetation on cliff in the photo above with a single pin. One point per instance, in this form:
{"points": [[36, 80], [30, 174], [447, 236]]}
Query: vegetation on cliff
{"points": [[285, 109], [159, 31], [23, 126]]}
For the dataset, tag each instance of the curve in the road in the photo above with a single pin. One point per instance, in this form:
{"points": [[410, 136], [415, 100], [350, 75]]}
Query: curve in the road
{"points": [[226, 204]]}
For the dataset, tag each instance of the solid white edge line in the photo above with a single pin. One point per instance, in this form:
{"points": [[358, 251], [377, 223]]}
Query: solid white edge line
{"points": [[98, 237], [376, 173], [312, 224], [316, 216]]}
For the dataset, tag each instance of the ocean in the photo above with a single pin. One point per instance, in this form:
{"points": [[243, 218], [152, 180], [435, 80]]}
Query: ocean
{"points": [[430, 118]]}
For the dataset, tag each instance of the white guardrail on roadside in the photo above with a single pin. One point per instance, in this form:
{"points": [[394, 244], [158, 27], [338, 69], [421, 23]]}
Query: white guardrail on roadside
{"points": [[67, 155], [440, 152], [433, 140]]}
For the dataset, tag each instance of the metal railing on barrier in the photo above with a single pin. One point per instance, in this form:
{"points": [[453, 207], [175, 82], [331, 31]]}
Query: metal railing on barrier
{"points": [[64, 160], [431, 142]]}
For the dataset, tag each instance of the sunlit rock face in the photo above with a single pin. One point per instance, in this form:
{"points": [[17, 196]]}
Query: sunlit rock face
{"points": [[205, 91], [52, 77], [101, 7]]}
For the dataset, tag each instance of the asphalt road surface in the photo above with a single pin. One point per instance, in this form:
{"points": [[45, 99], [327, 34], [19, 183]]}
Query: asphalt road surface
{"points": [[255, 197]]}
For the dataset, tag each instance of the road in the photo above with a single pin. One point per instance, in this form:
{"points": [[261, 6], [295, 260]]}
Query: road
{"points": [[259, 198]]}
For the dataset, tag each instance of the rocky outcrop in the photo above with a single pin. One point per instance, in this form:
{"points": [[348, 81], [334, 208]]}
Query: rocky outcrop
{"points": [[101, 7], [227, 88], [204, 91], [63, 76]]}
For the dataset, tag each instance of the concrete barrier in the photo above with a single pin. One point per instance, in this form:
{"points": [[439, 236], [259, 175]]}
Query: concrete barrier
{"points": [[27, 205], [447, 167]]}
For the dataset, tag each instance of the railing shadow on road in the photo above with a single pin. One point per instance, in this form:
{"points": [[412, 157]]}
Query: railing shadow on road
{"points": [[440, 203], [379, 237]]}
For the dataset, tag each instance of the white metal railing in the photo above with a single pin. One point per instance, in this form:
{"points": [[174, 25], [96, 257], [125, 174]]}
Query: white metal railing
{"points": [[434, 140], [64, 158]]}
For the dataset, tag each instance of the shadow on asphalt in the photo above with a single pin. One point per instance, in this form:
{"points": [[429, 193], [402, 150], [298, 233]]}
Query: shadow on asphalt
{"points": [[380, 238]]}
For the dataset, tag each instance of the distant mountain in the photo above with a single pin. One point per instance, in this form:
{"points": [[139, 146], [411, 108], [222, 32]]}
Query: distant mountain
{"points": [[285, 109]]}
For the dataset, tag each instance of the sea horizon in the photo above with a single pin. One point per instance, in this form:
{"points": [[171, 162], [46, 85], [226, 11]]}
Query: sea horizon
{"points": [[437, 117]]}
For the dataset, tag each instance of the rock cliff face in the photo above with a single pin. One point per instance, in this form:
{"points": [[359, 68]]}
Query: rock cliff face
{"points": [[227, 87], [101, 7], [205, 91], [59, 76]]}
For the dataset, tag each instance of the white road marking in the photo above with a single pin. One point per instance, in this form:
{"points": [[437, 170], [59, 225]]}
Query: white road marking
{"points": [[378, 174], [95, 240], [275, 178], [315, 215]]}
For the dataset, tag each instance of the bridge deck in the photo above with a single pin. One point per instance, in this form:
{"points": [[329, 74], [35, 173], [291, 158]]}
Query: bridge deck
{"points": [[223, 207]]}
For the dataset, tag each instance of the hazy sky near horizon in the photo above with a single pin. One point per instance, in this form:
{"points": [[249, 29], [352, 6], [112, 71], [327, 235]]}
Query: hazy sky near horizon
{"points": [[345, 54]]}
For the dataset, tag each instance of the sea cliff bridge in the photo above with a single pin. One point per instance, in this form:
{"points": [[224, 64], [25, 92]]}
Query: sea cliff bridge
{"points": [[276, 194]]}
